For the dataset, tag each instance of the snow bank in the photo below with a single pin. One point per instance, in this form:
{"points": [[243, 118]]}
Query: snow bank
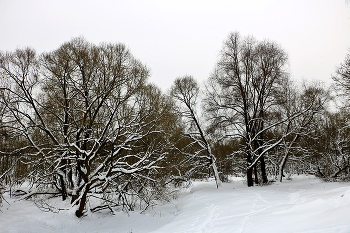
{"points": [[302, 204]]}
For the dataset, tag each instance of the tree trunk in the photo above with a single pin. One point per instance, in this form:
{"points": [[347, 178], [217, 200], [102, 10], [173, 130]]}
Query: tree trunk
{"points": [[281, 167], [207, 147], [263, 170], [285, 158], [75, 184], [261, 142], [250, 177], [216, 173], [80, 211], [256, 178], [249, 171], [63, 188]]}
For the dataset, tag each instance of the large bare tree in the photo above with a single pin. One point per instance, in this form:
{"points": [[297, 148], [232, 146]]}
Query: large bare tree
{"points": [[242, 92], [81, 112]]}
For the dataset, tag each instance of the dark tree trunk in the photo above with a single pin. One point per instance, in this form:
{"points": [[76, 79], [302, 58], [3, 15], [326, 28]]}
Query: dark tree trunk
{"points": [[74, 197], [250, 177], [256, 178], [249, 171], [80, 211], [263, 170], [261, 142], [63, 188]]}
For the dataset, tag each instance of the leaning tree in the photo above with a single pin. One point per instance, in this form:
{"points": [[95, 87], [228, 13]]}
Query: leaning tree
{"points": [[198, 152]]}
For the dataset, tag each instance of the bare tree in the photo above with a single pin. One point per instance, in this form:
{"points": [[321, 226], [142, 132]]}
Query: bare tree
{"points": [[334, 160], [309, 105], [185, 90], [242, 96], [333, 149], [77, 109], [342, 78]]}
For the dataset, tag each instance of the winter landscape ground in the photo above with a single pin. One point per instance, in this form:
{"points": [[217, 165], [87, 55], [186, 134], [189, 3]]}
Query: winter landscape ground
{"points": [[301, 204]]}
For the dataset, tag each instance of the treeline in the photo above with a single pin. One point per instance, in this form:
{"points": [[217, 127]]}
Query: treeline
{"points": [[81, 122]]}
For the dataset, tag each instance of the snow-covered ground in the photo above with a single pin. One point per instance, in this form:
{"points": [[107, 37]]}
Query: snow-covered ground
{"points": [[303, 204]]}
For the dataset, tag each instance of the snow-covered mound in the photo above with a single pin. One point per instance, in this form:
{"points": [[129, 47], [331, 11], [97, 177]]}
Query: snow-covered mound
{"points": [[303, 204]]}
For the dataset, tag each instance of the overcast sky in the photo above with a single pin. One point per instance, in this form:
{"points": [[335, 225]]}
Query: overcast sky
{"points": [[175, 38]]}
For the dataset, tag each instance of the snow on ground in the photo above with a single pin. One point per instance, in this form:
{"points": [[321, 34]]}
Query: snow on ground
{"points": [[303, 204]]}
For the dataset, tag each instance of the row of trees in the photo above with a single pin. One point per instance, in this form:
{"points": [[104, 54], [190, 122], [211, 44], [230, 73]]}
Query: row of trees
{"points": [[81, 122]]}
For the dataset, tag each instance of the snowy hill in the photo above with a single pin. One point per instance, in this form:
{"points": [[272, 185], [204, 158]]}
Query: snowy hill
{"points": [[303, 204]]}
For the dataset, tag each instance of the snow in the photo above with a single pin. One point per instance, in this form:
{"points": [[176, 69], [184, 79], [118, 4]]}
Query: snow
{"points": [[303, 204]]}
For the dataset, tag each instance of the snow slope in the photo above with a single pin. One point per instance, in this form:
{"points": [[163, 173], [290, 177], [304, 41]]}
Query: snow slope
{"points": [[304, 204]]}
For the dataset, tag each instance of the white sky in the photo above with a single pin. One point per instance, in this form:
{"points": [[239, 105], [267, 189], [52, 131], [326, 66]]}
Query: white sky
{"points": [[174, 38]]}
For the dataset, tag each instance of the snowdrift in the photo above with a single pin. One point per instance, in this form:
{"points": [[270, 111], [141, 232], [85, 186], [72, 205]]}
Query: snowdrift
{"points": [[303, 204]]}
